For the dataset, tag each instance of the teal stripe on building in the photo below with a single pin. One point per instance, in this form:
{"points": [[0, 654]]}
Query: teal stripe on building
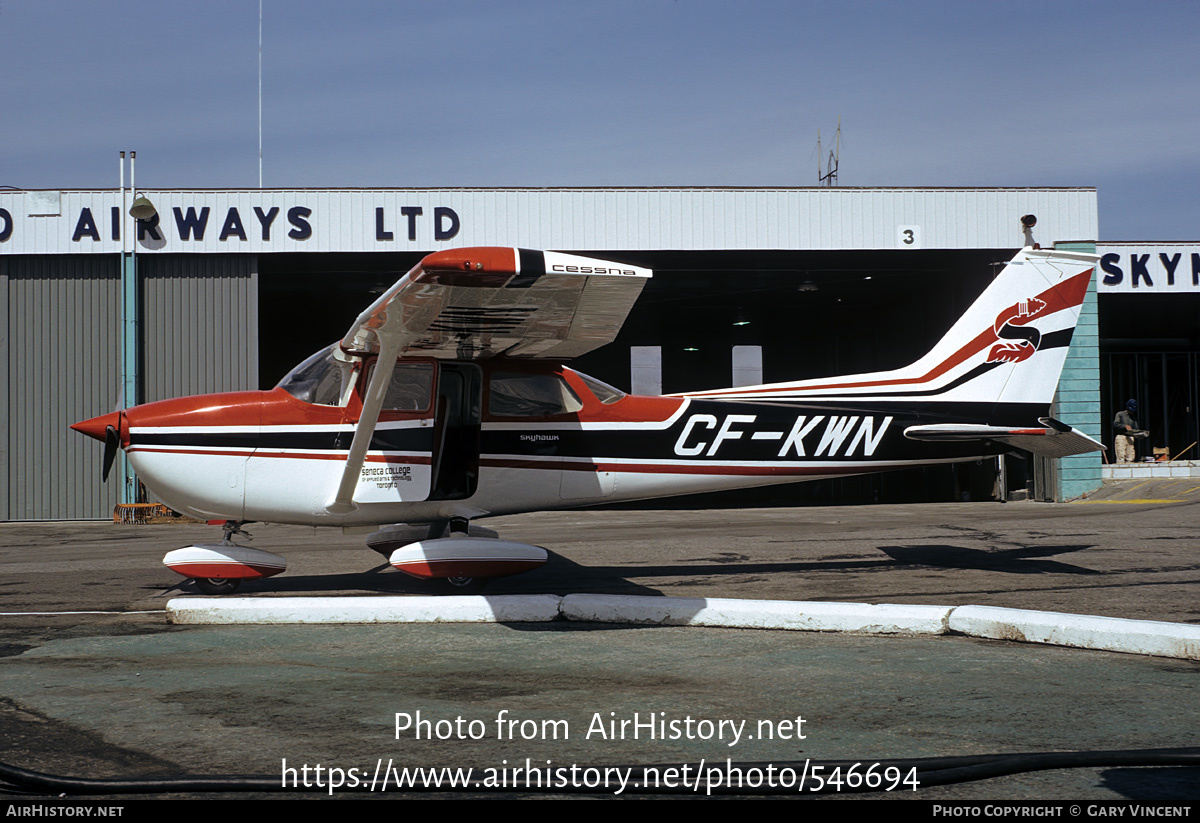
{"points": [[1077, 401]]}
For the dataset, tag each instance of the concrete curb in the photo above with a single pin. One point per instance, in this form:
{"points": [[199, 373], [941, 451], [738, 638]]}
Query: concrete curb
{"points": [[863, 618], [1147, 637], [1082, 631], [531, 608]]}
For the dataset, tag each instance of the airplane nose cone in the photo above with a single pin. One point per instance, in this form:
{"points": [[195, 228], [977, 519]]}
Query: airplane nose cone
{"points": [[96, 427]]}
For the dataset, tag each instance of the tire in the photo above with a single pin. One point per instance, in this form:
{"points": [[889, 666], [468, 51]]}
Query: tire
{"points": [[460, 585], [217, 585]]}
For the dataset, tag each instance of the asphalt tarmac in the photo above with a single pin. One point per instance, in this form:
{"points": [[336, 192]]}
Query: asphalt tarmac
{"points": [[94, 681]]}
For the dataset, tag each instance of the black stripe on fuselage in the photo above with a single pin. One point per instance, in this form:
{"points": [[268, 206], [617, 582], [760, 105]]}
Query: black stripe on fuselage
{"points": [[415, 439], [721, 430]]}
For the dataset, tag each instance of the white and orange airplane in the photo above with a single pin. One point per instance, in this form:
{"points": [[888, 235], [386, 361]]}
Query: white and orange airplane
{"points": [[447, 401]]}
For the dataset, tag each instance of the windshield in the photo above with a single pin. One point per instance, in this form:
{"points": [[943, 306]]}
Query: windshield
{"points": [[605, 393], [319, 379]]}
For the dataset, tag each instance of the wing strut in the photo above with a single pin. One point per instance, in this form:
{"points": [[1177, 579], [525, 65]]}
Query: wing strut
{"points": [[381, 376]]}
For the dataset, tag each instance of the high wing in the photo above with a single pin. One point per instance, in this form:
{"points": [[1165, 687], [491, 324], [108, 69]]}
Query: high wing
{"points": [[484, 302], [476, 303]]}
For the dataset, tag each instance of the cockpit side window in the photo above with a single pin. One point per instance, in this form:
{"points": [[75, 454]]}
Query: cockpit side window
{"points": [[514, 394], [319, 379]]}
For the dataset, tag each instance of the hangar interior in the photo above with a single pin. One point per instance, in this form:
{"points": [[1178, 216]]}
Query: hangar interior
{"points": [[1150, 352], [814, 313]]}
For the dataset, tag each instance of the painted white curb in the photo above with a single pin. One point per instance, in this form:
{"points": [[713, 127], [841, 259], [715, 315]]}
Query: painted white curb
{"points": [[517, 608], [861, 618], [1148, 637], [1083, 631]]}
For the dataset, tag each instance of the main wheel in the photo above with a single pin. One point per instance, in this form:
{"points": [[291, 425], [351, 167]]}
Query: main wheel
{"points": [[460, 585], [217, 585]]}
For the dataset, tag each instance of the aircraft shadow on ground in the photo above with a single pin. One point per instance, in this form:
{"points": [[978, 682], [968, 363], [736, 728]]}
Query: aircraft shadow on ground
{"points": [[1009, 561], [563, 576]]}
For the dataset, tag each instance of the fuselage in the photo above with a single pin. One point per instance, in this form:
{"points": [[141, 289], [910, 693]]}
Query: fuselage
{"points": [[505, 437]]}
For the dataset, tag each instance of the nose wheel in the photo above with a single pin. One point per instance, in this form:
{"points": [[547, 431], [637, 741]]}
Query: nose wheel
{"points": [[220, 568]]}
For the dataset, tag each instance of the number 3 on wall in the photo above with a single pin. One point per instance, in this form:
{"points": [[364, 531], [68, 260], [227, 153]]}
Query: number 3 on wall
{"points": [[908, 237]]}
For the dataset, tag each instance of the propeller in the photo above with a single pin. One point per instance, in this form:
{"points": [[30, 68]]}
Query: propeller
{"points": [[112, 444], [107, 429]]}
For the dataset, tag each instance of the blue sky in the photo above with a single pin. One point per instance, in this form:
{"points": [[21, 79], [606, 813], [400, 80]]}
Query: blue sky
{"points": [[613, 92]]}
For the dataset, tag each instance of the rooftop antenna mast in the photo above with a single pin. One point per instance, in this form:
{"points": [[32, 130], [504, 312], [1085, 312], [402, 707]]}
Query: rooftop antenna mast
{"points": [[827, 175], [260, 5]]}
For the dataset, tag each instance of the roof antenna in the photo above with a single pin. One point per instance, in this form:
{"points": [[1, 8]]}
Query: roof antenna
{"points": [[828, 177], [260, 5]]}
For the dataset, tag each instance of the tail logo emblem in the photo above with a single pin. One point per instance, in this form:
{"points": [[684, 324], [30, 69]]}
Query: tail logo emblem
{"points": [[1010, 326]]}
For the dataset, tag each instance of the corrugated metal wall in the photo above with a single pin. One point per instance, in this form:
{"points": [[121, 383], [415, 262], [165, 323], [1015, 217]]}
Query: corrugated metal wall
{"points": [[60, 360], [200, 324]]}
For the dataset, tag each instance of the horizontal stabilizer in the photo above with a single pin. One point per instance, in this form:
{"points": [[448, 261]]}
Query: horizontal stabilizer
{"points": [[1052, 439]]}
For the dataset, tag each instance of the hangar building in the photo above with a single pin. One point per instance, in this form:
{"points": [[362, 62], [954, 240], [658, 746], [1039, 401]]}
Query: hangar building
{"points": [[233, 287]]}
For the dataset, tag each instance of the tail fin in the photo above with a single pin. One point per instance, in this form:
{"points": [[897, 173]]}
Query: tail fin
{"points": [[1007, 348]]}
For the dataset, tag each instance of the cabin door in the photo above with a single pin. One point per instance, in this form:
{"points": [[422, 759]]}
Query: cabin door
{"points": [[456, 431]]}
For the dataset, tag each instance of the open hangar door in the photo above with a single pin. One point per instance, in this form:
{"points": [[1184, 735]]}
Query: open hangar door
{"points": [[813, 313], [1150, 352]]}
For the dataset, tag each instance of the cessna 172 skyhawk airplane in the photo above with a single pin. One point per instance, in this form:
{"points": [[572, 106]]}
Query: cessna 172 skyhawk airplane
{"points": [[447, 401]]}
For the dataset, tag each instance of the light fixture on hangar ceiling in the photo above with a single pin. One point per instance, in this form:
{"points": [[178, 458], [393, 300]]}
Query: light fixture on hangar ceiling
{"points": [[142, 208], [741, 320]]}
